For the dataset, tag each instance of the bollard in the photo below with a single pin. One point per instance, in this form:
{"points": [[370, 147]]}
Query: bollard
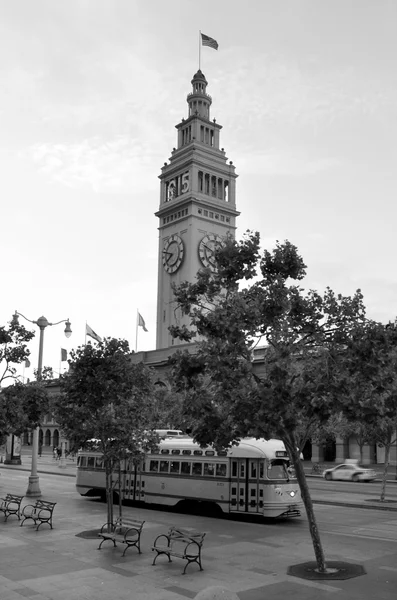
{"points": [[216, 592]]}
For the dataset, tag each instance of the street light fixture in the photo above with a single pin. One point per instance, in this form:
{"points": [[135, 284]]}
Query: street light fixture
{"points": [[34, 487]]}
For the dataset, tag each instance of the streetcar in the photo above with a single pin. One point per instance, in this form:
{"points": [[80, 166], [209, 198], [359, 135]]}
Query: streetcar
{"points": [[251, 478]]}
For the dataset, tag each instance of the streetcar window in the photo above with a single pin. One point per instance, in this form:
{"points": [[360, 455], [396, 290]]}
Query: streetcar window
{"points": [[261, 470], [253, 470], [83, 461], [209, 468], [99, 462], [185, 467], [197, 452], [277, 469], [253, 492], [78, 460], [186, 452], [234, 469], [165, 451], [174, 466], [209, 453], [164, 466], [220, 470], [242, 470], [91, 461], [222, 453], [175, 451], [154, 466], [196, 468]]}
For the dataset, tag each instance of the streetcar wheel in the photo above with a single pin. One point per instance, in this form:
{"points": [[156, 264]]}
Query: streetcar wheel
{"points": [[328, 476], [355, 478]]}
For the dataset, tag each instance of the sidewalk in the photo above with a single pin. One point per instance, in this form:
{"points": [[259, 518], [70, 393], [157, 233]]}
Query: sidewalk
{"points": [[247, 558]]}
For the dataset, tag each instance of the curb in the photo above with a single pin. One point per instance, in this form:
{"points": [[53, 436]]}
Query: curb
{"points": [[356, 505], [26, 470]]}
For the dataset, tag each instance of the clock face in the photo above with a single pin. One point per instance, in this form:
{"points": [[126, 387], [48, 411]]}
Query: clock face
{"points": [[173, 252], [206, 249]]}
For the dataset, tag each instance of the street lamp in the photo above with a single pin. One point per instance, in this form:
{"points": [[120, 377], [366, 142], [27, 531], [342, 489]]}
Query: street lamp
{"points": [[34, 487]]}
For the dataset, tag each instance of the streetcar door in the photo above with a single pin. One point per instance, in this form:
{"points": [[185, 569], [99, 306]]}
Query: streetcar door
{"points": [[244, 485], [133, 482]]}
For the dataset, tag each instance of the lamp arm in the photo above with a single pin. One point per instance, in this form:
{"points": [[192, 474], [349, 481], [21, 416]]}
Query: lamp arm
{"points": [[26, 319], [57, 323]]}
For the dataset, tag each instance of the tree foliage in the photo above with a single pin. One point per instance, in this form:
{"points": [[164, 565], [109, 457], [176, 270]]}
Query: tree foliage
{"points": [[226, 397], [107, 398], [22, 407], [13, 349], [366, 384]]}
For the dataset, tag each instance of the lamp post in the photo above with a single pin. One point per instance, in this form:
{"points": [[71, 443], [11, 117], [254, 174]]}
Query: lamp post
{"points": [[34, 487]]}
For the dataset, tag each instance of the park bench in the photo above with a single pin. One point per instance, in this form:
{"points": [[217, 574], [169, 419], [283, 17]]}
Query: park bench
{"points": [[40, 512], [180, 543], [124, 531], [11, 505]]}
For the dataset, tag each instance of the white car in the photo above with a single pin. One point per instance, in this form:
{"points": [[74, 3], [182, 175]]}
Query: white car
{"points": [[350, 472]]}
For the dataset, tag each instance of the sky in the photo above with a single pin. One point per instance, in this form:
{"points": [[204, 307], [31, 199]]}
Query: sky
{"points": [[91, 91]]}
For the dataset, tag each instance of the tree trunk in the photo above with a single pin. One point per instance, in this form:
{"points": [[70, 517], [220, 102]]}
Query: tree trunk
{"points": [[300, 475], [120, 496], [384, 476], [109, 491]]}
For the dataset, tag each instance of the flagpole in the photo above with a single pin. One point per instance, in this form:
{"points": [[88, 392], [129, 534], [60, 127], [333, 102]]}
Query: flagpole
{"points": [[199, 49], [85, 335], [136, 331]]}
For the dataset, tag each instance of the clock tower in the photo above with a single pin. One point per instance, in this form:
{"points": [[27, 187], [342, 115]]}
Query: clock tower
{"points": [[197, 206]]}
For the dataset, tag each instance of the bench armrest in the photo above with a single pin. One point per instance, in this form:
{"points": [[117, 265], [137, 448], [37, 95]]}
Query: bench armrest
{"points": [[107, 528], [132, 531], [162, 535]]}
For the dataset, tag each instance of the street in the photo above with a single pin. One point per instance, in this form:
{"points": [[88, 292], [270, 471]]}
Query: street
{"points": [[250, 559]]}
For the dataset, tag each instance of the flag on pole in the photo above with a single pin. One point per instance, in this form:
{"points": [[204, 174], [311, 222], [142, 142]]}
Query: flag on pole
{"points": [[27, 363], [91, 333], [64, 355], [209, 41], [141, 322]]}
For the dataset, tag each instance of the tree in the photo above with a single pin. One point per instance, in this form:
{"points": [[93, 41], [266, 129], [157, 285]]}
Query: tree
{"points": [[22, 407], [13, 349], [366, 386], [107, 398], [47, 374], [225, 397], [167, 411]]}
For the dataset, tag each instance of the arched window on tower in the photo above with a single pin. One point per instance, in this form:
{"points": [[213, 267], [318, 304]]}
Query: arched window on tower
{"points": [[207, 184], [213, 186], [220, 188], [226, 191], [200, 181]]}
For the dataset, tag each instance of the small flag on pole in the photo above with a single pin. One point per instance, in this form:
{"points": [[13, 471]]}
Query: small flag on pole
{"points": [[92, 333], [64, 355], [209, 41], [141, 322], [27, 363]]}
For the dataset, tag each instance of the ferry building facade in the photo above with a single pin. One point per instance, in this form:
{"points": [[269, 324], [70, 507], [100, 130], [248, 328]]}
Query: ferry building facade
{"points": [[197, 210]]}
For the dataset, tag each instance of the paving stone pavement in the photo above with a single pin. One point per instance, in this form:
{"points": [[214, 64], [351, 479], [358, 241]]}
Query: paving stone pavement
{"points": [[249, 559]]}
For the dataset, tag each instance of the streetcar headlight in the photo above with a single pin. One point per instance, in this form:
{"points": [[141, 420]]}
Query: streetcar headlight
{"points": [[292, 494]]}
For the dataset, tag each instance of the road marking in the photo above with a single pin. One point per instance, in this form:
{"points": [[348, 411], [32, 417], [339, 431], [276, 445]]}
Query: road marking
{"points": [[358, 535]]}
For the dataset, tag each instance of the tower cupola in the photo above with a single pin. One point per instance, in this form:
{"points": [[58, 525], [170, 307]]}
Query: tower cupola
{"points": [[198, 100]]}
